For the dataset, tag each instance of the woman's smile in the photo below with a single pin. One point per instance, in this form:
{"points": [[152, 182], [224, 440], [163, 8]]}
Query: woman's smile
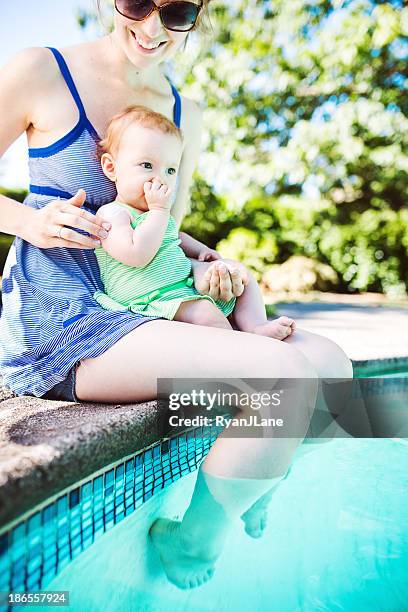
{"points": [[147, 47]]}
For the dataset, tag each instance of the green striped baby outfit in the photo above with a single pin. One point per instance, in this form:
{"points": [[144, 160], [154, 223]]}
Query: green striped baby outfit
{"points": [[160, 287]]}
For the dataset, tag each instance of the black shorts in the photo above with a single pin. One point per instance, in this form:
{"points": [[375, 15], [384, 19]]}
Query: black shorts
{"points": [[64, 390]]}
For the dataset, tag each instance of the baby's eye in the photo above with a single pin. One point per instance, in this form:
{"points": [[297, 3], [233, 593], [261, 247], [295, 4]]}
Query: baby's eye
{"points": [[172, 171], [147, 165]]}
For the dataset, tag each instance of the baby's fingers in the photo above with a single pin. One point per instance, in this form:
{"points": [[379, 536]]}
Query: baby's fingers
{"points": [[164, 190]]}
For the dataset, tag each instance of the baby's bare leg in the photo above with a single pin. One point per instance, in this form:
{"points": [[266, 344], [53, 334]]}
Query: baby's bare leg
{"points": [[250, 315], [202, 312]]}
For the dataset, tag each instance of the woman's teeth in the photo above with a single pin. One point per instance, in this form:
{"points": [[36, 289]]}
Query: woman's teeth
{"points": [[148, 46]]}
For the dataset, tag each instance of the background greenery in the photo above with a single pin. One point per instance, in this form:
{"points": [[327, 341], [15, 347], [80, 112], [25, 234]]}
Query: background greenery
{"points": [[305, 136], [5, 239]]}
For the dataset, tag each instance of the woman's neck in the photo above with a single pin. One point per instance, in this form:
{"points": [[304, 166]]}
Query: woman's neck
{"points": [[151, 79]]}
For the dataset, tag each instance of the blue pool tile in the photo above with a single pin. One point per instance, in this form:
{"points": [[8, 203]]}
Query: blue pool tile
{"points": [[48, 514], [35, 551], [109, 491], [98, 485], [109, 478], [4, 544], [34, 564], [86, 491], [48, 576], [18, 534], [50, 562], [74, 498], [34, 523], [62, 505], [130, 466], [50, 538], [63, 562]]}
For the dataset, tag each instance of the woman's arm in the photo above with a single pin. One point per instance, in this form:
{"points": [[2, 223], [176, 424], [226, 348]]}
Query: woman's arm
{"points": [[29, 72], [191, 126], [215, 280]]}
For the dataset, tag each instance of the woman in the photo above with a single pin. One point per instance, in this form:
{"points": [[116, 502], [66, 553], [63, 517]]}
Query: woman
{"points": [[58, 343]]}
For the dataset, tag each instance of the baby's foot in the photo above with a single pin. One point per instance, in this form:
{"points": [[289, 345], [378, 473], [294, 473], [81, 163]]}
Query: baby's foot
{"points": [[255, 519], [279, 328], [185, 570]]}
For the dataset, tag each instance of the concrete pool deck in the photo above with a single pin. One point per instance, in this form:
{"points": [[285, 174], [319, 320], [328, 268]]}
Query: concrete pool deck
{"points": [[363, 332], [46, 445]]}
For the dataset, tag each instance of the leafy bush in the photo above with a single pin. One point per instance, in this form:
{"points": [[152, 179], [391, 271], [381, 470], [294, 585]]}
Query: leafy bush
{"points": [[5, 239]]}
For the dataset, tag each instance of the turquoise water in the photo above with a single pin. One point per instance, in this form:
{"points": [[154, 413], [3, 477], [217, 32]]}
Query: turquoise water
{"points": [[337, 539]]}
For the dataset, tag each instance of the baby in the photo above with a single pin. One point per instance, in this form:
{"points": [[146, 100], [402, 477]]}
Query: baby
{"points": [[143, 268]]}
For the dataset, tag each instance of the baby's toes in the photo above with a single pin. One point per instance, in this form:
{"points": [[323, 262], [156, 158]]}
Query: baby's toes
{"points": [[284, 320], [284, 331]]}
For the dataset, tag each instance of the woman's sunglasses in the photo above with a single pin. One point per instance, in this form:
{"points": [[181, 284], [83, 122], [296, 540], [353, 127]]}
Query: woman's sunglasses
{"points": [[176, 16]]}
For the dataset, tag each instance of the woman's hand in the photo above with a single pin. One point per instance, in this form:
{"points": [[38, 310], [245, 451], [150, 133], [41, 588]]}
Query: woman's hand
{"points": [[222, 280], [46, 227]]}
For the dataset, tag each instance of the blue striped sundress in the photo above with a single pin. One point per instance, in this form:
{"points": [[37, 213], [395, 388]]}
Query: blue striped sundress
{"points": [[50, 319]]}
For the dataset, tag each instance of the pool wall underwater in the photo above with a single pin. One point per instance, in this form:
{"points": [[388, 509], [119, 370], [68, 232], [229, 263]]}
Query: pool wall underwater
{"points": [[62, 498], [34, 550]]}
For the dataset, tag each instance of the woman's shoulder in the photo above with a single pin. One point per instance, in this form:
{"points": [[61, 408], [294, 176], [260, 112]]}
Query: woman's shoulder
{"points": [[32, 62], [32, 70], [36, 66]]}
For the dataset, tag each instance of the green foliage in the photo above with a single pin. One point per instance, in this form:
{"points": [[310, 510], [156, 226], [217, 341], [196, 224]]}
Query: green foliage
{"points": [[5, 239], [14, 194], [248, 245], [305, 135], [5, 244]]}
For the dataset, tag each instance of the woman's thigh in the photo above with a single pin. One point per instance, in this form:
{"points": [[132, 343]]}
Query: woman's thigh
{"points": [[326, 357], [128, 371]]}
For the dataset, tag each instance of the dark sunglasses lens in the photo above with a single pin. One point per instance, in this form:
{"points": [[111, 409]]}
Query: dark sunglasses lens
{"points": [[180, 16], [134, 9]]}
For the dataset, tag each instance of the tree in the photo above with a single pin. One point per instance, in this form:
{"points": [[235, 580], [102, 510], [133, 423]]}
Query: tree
{"points": [[306, 133]]}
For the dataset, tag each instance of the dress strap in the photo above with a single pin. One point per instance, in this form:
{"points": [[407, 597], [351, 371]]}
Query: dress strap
{"points": [[75, 94], [177, 105], [69, 80]]}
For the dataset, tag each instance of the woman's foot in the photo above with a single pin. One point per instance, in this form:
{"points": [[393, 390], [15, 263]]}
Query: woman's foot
{"points": [[256, 517], [182, 567], [279, 328]]}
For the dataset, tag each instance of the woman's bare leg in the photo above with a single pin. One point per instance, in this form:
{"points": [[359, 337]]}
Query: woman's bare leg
{"points": [[335, 372], [128, 371], [333, 367], [163, 349]]}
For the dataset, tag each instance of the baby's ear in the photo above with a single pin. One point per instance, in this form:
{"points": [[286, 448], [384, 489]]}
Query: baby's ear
{"points": [[108, 166]]}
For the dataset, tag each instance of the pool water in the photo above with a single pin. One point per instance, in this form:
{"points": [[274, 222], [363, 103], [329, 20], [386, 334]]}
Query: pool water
{"points": [[337, 539]]}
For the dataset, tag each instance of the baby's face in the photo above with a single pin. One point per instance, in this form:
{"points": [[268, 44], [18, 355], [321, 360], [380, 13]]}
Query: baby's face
{"points": [[144, 154]]}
